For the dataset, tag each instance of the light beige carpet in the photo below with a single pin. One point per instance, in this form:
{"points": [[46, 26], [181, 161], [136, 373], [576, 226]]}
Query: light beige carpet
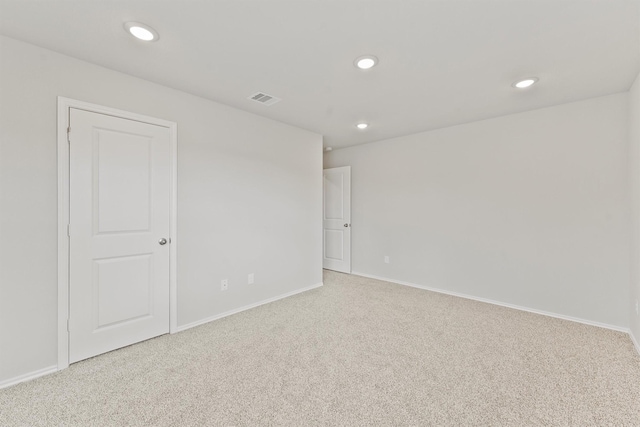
{"points": [[356, 352]]}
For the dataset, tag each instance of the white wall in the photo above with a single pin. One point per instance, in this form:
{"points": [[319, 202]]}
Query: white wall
{"points": [[529, 209], [634, 175], [249, 198]]}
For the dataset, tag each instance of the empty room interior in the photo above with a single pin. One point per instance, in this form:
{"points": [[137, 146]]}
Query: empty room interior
{"points": [[319, 212]]}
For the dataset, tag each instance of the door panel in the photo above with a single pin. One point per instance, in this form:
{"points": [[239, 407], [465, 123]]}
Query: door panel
{"points": [[333, 194], [119, 209], [337, 219], [123, 165], [334, 246], [115, 277]]}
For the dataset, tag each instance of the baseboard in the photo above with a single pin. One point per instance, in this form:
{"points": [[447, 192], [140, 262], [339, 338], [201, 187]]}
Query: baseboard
{"points": [[244, 308], [51, 369], [28, 376], [635, 342], [502, 304]]}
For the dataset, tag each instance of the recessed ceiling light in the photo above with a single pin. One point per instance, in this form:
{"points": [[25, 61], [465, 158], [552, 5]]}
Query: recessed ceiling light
{"points": [[523, 84], [141, 31], [362, 126], [365, 62]]}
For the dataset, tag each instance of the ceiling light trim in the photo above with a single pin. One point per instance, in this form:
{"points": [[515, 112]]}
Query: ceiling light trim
{"points": [[525, 83], [131, 27], [366, 62]]}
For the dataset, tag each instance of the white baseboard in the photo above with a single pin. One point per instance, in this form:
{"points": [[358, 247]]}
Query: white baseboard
{"points": [[51, 369], [28, 376], [246, 307], [502, 304], [636, 343]]}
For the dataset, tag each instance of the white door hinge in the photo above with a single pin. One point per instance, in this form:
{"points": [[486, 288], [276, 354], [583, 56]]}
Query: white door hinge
{"points": [[69, 230], [68, 327], [69, 134]]}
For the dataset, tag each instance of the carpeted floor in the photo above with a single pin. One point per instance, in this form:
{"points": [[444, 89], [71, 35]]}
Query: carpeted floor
{"points": [[356, 352]]}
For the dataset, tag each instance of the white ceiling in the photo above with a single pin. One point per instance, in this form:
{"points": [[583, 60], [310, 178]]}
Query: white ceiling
{"points": [[442, 62]]}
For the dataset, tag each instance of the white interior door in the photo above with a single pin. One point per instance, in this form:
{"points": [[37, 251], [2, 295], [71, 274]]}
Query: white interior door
{"points": [[119, 213], [337, 219]]}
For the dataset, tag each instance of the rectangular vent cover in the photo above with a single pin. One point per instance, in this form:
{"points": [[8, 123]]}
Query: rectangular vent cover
{"points": [[264, 99]]}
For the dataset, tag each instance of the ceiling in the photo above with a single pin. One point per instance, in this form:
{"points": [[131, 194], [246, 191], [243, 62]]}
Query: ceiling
{"points": [[441, 62]]}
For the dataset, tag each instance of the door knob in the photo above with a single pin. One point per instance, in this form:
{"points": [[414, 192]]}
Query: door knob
{"points": [[346, 225], [162, 241]]}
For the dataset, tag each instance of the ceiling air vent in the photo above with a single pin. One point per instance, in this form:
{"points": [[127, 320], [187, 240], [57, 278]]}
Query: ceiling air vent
{"points": [[264, 99]]}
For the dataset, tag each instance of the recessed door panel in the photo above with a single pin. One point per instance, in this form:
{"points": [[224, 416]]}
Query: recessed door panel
{"points": [[334, 245], [130, 276], [333, 191], [123, 165]]}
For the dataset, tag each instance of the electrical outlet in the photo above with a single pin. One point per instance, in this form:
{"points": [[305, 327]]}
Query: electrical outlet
{"points": [[386, 259], [250, 279], [224, 285]]}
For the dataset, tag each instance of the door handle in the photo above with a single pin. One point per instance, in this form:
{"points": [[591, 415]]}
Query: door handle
{"points": [[162, 241], [346, 225]]}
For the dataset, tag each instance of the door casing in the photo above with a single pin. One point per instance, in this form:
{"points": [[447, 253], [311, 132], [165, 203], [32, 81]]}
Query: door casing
{"points": [[64, 104]]}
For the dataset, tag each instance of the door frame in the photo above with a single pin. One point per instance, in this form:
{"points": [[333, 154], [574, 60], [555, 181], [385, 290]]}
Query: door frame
{"points": [[64, 105]]}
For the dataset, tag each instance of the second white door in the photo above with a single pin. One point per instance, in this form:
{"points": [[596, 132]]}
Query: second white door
{"points": [[336, 219], [119, 232]]}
